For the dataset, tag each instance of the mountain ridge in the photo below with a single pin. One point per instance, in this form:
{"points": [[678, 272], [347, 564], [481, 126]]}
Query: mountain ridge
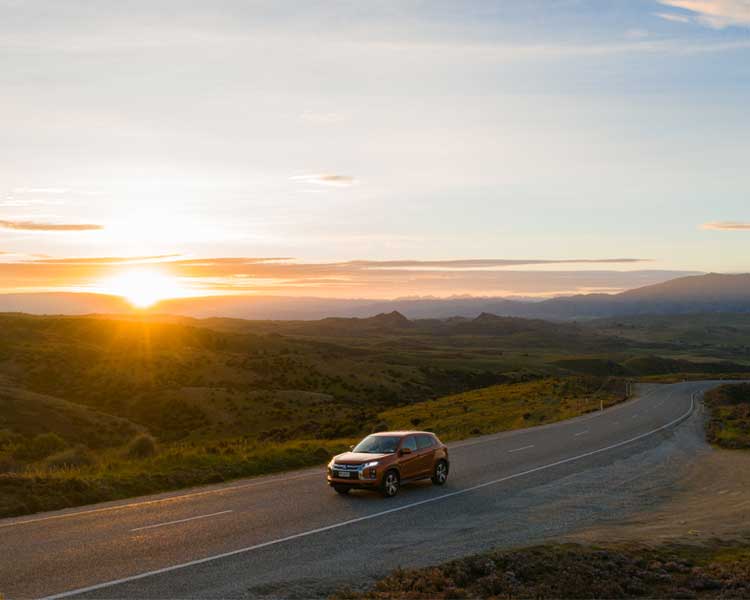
{"points": [[708, 293]]}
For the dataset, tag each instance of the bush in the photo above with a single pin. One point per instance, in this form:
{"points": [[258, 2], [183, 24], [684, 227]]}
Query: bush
{"points": [[9, 438], [40, 446], [80, 456], [142, 446], [8, 464]]}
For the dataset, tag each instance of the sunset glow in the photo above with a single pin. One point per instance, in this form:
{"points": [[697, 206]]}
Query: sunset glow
{"points": [[143, 288]]}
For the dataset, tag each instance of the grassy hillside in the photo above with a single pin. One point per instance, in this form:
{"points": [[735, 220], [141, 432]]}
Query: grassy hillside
{"points": [[505, 407], [28, 414], [729, 424], [93, 408]]}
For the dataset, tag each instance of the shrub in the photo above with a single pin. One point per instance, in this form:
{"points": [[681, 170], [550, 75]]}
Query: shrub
{"points": [[9, 438], [41, 445], [142, 446], [8, 464], [79, 456]]}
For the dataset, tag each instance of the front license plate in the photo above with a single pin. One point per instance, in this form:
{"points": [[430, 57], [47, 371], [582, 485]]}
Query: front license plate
{"points": [[344, 474]]}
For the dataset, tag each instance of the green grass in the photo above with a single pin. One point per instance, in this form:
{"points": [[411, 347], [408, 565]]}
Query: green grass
{"points": [[504, 407], [111, 475], [729, 424]]}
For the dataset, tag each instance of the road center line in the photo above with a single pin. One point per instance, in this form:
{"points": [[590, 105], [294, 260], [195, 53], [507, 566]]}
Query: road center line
{"points": [[216, 514], [317, 530], [580, 433], [519, 449]]}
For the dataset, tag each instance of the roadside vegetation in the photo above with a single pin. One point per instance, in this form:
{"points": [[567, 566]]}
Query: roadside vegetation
{"points": [[729, 423], [95, 408], [505, 407], [714, 570]]}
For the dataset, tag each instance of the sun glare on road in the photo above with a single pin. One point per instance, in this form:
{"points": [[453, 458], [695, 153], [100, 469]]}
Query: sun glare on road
{"points": [[143, 288]]}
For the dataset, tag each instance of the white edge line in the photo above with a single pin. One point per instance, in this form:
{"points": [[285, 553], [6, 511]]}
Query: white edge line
{"points": [[519, 449], [216, 514], [295, 536]]}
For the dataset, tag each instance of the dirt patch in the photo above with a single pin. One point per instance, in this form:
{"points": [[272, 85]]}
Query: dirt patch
{"points": [[711, 500]]}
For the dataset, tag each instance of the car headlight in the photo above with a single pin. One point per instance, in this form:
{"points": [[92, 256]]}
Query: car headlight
{"points": [[373, 463]]}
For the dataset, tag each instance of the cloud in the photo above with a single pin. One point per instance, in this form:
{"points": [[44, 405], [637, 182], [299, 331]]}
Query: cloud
{"points": [[326, 179], [675, 17], [349, 279], [727, 225], [108, 260], [34, 226], [636, 34], [714, 13], [55, 191]]}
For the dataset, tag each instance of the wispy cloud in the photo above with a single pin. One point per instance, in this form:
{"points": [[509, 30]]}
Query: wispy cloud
{"points": [[349, 279], [712, 13], [108, 260], [326, 179], [727, 225], [674, 17], [54, 191], [34, 226]]}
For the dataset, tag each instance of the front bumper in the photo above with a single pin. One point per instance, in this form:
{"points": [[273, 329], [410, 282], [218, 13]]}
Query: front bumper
{"points": [[361, 484], [358, 476]]}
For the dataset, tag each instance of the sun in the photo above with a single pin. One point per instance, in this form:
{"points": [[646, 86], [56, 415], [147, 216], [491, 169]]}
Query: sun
{"points": [[143, 287]]}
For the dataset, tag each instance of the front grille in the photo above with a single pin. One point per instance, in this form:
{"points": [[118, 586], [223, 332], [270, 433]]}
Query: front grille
{"points": [[337, 467], [353, 471]]}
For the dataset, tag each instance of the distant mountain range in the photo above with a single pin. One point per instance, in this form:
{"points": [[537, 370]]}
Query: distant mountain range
{"points": [[709, 293]]}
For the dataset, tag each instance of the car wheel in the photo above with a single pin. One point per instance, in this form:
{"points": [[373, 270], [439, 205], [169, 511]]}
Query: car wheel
{"points": [[390, 484], [440, 474], [342, 489]]}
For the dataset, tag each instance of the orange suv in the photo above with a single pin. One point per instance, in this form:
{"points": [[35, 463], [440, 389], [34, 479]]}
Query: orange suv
{"points": [[383, 461]]}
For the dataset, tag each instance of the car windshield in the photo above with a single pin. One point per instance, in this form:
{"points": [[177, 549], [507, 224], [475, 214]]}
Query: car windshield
{"points": [[378, 444]]}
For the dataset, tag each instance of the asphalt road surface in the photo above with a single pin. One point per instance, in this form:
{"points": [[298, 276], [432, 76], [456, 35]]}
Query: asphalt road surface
{"points": [[289, 535]]}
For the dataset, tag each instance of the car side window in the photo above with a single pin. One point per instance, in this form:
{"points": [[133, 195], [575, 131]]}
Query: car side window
{"points": [[424, 442], [410, 443]]}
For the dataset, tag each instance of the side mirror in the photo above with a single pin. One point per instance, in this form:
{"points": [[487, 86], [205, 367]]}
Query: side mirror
{"points": [[404, 451], [351, 447]]}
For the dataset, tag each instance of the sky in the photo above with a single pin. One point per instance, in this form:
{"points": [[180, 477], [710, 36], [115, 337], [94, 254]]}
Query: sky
{"points": [[372, 149]]}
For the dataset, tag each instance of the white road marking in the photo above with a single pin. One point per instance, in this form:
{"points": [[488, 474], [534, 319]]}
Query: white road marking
{"points": [[216, 514], [635, 415], [310, 532], [580, 433], [519, 449], [228, 488]]}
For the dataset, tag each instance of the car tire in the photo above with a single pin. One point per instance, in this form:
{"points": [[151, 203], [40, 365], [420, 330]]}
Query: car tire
{"points": [[342, 489], [391, 483], [440, 473]]}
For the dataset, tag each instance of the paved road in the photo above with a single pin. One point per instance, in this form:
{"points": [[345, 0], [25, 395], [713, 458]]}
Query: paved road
{"points": [[289, 535]]}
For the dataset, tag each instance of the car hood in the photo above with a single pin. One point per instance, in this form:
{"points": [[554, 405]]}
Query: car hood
{"points": [[353, 458]]}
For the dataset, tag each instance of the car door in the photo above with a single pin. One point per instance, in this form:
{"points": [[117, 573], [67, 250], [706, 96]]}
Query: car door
{"points": [[426, 449], [409, 464]]}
